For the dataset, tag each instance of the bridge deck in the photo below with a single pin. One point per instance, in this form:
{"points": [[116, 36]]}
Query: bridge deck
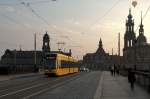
{"points": [[117, 87], [82, 85]]}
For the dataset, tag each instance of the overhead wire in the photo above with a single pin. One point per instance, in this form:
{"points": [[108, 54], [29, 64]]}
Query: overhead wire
{"points": [[107, 12], [143, 17], [27, 5], [13, 20], [10, 19], [39, 2], [6, 4], [17, 4], [104, 15]]}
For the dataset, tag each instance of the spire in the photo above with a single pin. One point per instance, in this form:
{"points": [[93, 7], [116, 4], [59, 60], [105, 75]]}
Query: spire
{"points": [[100, 43], [100, 49], [141, 30], [141, 39], [129, 10], [141, 18], [129, 16]]}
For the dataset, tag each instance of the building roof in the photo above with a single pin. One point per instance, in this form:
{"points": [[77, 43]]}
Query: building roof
{"points": [[100, 49], [21, 54]]}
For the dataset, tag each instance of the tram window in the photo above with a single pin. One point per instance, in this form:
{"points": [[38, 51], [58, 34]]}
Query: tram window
{"points": [[64, 63], [68, 64], [51, 63]]}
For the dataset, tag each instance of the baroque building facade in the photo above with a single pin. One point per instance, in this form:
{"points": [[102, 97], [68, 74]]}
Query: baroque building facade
{"points": [[136, 51], [100, 60], [19, 61]]}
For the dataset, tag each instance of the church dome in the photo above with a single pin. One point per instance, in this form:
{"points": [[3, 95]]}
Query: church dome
{"points": [[141, 39]]}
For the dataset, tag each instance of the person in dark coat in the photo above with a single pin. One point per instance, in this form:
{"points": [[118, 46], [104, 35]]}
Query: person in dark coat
{"points": [[114, 70], [117, 70], [131, 78], [111, 70]]}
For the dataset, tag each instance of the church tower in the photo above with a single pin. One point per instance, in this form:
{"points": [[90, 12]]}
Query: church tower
{"points": [[46, 46], [100, 49], [129, 37], [141, 39]]}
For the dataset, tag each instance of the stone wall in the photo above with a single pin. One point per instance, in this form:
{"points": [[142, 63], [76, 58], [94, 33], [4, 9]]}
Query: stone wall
{"points": [[143, 80]]}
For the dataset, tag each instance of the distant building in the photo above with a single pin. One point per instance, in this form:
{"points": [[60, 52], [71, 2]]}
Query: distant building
{"points": [[100, 60], [136, 51], [15, 61], [21, 61]]}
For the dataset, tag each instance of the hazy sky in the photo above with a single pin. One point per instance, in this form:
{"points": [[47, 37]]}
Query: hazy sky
{"points": [[78, 23]]}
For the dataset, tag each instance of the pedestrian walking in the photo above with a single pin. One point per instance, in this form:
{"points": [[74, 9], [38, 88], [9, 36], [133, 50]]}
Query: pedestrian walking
{"points": [[111, 70], [117, 71], [131, 78], [114, 70]]}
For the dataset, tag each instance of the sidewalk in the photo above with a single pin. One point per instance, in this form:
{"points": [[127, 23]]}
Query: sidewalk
{"points": [[117, 87], [4, 78]]}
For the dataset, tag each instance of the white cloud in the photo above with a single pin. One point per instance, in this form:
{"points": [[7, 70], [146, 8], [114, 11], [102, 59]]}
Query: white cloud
{"points": [[97, 26], [107, 25], [77, 23], [27, 25], [73, 21], [10, 9], [54, 26], [7, 8]]}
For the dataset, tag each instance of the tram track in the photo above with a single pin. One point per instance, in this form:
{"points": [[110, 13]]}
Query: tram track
{"points": [[14, 85], [35, 89], [52, 87], [21, 81]]}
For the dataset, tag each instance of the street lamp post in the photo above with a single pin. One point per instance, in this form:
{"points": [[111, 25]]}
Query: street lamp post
{"points": [[13, 69], [35, 65]]}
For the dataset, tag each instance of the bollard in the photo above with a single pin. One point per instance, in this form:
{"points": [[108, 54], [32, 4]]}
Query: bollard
{"points": [[149, 83]]}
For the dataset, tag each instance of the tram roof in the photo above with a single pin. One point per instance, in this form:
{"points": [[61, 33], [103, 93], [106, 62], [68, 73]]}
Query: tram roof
{"points": [[63, 55], [59, 52]]}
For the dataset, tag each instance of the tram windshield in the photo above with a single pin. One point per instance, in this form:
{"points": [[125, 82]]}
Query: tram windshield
{"points": [[51, 63], [51, 60]]}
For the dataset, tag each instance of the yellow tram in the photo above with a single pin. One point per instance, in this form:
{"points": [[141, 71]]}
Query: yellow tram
{"points": [[58, 64]]}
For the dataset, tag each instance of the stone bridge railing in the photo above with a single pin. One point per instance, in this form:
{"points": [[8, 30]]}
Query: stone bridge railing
{"points": [[143, 79]]}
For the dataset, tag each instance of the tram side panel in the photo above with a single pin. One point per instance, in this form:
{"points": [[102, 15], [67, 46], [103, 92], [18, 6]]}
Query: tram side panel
{"points": [[60, 65]]}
